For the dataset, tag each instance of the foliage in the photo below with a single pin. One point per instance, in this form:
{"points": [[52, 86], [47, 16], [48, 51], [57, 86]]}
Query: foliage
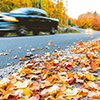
{"points": [[53, 9], [89, 20], [72, 21], [60, 8]]}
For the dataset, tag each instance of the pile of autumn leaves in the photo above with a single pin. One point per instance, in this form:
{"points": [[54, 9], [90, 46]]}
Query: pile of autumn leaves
{"points": [[61, 77]]}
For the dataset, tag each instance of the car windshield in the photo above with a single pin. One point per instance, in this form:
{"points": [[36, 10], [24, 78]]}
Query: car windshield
{"points": [[20, 10]]}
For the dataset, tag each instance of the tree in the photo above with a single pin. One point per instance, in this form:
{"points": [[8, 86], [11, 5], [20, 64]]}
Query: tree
{"points": [[89, 20], [85, 20]]}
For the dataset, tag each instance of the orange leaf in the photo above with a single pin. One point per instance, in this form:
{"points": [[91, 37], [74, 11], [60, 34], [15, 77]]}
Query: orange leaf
{"points": [[47, 66], [93, 66], [50, 41], [22, 58], [70, 74]]}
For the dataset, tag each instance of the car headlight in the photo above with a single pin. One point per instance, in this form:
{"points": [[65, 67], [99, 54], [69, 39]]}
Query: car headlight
{"points": [[86, 30], [90, 30], [12, 19]]}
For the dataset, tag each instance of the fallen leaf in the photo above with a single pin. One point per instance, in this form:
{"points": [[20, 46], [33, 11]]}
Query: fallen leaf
{"points": [[36, 96], [35, 86], [68, 66], [54, 45], [93, 66], [50, 41], [6, 53], [22, 58], [93, 85], [32, 49], [13, 97], [70, 92], [90, 77], [27, 92], [98, 78], [21, 85], [16, 57], [9, 64], [19, 47], [37, 55]]}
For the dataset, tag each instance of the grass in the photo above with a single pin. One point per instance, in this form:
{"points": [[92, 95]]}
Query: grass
{"points": [[63, 25], [29, 33], [68, 31], [10, 34], [75, 31]]}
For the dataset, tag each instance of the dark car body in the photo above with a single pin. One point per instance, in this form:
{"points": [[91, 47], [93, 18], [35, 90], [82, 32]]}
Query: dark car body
{"points": [[22, 20]]}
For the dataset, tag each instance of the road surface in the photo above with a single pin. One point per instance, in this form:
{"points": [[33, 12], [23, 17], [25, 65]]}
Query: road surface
{"points": [[9, 45]]}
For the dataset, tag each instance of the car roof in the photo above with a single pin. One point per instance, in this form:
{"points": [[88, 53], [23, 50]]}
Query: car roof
{"points": [[33, 9]]}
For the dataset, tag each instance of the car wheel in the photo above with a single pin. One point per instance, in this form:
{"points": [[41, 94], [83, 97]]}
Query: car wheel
{"points": [[52, 31], [35, 32], [22, 30]]}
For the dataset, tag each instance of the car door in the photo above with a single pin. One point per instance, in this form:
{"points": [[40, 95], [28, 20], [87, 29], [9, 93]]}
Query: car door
{"points": [[44, 22], [40, 22], [34, 20]]}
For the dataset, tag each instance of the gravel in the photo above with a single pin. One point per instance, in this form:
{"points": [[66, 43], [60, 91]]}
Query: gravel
{"points": [[4, 72]]}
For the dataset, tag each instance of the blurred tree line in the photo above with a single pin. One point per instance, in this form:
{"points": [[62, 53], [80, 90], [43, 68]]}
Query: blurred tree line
{"points": [[72, 22], [89, 20], [86, 20], [54, 9]]}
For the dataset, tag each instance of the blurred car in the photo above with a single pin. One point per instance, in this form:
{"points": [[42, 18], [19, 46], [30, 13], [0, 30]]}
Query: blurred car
{"points": [[22, 20], [89, 30]]}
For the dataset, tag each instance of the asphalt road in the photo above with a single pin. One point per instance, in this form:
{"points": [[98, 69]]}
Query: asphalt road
{"points": [[10, 44]]}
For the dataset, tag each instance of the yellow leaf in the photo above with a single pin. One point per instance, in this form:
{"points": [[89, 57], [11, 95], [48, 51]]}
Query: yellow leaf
{"points": [[26, 98], [98, 78], [27, 92], [90, 77]]}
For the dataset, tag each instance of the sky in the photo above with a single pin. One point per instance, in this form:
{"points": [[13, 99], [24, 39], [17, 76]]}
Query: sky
{"points": [[78, 7]]}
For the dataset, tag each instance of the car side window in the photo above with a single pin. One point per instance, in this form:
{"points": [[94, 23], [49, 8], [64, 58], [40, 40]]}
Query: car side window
{"points": [[33, 13], [36, 13]]}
